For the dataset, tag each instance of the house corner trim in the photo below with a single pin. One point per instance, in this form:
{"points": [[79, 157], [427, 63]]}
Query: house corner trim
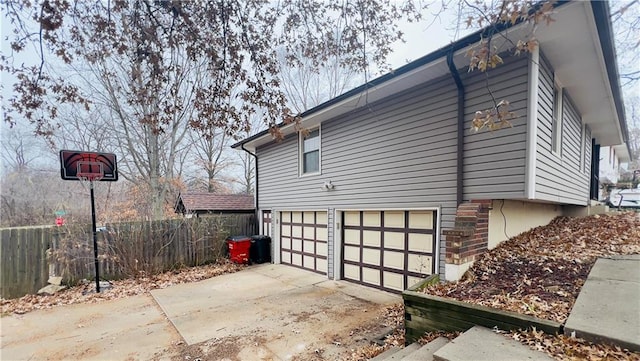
{"points": [[532, 124]]}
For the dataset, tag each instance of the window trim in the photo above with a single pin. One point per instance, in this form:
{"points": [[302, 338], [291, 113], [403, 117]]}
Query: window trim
{"points": [[301, 172], [557, 126]]}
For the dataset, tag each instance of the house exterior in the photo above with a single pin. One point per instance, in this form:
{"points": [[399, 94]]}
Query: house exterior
{"points": [[609, 168], [202, 203], [389, 184]]}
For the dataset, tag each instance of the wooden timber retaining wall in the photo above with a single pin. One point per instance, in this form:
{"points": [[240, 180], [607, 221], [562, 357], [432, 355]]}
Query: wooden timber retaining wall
{"points": [[29, 255], [427, 313]]}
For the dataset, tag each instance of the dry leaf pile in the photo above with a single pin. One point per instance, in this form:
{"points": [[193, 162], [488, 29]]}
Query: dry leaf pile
{"points": [[566, 348], [541, 272], [85, 293]]}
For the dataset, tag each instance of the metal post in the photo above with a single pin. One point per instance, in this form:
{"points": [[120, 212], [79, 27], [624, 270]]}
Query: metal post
{"points": [[95, 237]]}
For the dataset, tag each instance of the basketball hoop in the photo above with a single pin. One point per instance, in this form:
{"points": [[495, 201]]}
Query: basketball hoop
{"points": [[89, 167]]}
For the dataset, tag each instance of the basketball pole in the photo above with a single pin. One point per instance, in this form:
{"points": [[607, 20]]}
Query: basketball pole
{"points": [[95, 237]]}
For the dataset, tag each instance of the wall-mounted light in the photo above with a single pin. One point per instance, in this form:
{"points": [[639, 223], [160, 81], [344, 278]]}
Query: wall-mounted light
{"points": [[327, 186]]}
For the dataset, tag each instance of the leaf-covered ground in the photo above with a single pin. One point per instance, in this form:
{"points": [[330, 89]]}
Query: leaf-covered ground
{"points": [[541, 272], [85, 293]]}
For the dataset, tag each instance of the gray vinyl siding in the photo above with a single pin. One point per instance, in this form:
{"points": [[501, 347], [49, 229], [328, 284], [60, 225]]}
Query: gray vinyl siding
{"points": [[398, 153], [494, 162], [559, 177]]}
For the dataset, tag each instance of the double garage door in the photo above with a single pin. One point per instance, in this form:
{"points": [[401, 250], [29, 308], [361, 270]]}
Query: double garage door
{"points": [[303, 237], [390, 250]]}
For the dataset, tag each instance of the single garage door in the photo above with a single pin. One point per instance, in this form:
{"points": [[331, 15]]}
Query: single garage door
{"points": [[391, 250], [303, 238]]}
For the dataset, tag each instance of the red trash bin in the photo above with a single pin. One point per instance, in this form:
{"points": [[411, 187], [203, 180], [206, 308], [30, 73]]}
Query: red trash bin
{"points": [[239, 247]]}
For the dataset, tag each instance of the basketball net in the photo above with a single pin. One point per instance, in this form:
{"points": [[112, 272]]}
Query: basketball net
{"points": [[89, 172]]}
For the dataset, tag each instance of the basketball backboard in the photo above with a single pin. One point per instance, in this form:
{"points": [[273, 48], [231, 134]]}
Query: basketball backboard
{"points": [[80, 165]]}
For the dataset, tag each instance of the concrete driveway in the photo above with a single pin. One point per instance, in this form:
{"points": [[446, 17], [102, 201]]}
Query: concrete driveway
{"points": [[265, 312]]}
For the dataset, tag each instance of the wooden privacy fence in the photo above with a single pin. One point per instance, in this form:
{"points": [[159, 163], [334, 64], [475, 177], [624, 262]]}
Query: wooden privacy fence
{"points": [[30, 255], [23, 266]]}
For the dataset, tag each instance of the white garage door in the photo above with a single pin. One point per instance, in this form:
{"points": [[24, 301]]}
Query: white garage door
{"points": [[303, 238], [390, 250]]}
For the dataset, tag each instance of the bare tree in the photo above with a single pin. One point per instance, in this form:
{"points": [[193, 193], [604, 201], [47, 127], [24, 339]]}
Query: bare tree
{"points": [[307, 85], [18, 149], [248, 166], [211, 157], [625, 16]]}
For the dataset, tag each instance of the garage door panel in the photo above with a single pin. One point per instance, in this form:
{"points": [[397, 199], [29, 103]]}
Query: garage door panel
{"points": [[371, 256], [421, 219], [371, 238], [303, 240], [286, 231], [296, 231], [286, 257], [388, 249], [309, 261], [321, 249], [352, 253], [420, 242], [321, 263], [394, 260], [371, 276], [351, 272], [419, 263], [394, 281], [309, 247], [394, 219], [371, 219], [321, 234], [321, 218], [296, 259], [351, 218], [394, 240], [352, 236]]}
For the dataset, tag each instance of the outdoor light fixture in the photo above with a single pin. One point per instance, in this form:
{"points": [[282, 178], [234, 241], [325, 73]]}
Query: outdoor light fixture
{"points": [[327, 186]]}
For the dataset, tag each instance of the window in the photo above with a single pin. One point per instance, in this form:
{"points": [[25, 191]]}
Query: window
{"points": [[310, 152], [556, 129]]}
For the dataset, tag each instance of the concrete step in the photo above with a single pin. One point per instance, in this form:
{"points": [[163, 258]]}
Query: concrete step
{"points": [[400, 355], [425, 353], [615, 318], [385, 355], [480, 344]]}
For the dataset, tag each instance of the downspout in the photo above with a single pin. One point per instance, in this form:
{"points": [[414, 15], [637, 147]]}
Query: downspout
{"points": [[257, 213], [460, 152]]}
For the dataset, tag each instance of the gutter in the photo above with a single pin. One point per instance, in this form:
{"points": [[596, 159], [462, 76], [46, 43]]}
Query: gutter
{"points": [[460, 131], [257, 211]]}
